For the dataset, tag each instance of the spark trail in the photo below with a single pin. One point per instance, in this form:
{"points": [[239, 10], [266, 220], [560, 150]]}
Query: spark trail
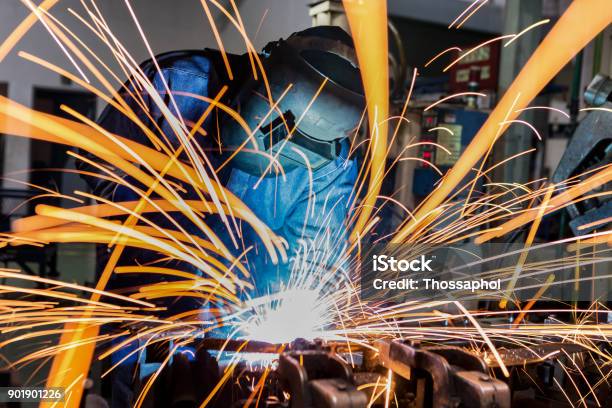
{"points": [[324, 287]]}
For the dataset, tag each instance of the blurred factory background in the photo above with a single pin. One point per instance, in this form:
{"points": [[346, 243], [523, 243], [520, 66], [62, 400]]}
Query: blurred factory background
{"points": [[419, 31]]}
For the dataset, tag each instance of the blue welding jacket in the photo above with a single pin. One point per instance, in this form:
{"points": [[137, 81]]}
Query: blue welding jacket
{"points": [[283, 206], [282, 203]]}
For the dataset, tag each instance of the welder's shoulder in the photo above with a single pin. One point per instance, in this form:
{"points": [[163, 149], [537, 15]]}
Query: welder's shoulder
{"points": [[184, 62]]}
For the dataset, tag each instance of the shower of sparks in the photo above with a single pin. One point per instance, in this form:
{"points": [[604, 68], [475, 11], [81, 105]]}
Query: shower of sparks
{"points": [[279, 321], [321, 299]]}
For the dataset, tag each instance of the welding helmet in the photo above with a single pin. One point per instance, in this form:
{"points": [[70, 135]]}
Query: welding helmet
{"points": [[317, 101]]}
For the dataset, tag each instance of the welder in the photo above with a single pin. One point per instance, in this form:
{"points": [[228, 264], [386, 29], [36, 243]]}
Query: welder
{"points": [[309, 134]]}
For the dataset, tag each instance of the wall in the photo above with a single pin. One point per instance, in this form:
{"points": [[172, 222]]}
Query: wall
{"points": [[267, 20], [443, 12]]}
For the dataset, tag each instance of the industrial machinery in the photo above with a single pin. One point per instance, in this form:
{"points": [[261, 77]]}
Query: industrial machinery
{"points": [[385, 373], [589, 150]]}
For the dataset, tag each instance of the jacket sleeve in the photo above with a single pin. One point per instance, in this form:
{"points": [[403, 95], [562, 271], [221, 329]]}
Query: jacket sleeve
{"points": [[117, 123], [185, 75], [183, 78]]}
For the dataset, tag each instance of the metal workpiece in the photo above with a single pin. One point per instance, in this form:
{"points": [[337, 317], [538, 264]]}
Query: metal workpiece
{"points": [[458, 377], [479, 390], [319, 374], [319, 379], [534, 354]]}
